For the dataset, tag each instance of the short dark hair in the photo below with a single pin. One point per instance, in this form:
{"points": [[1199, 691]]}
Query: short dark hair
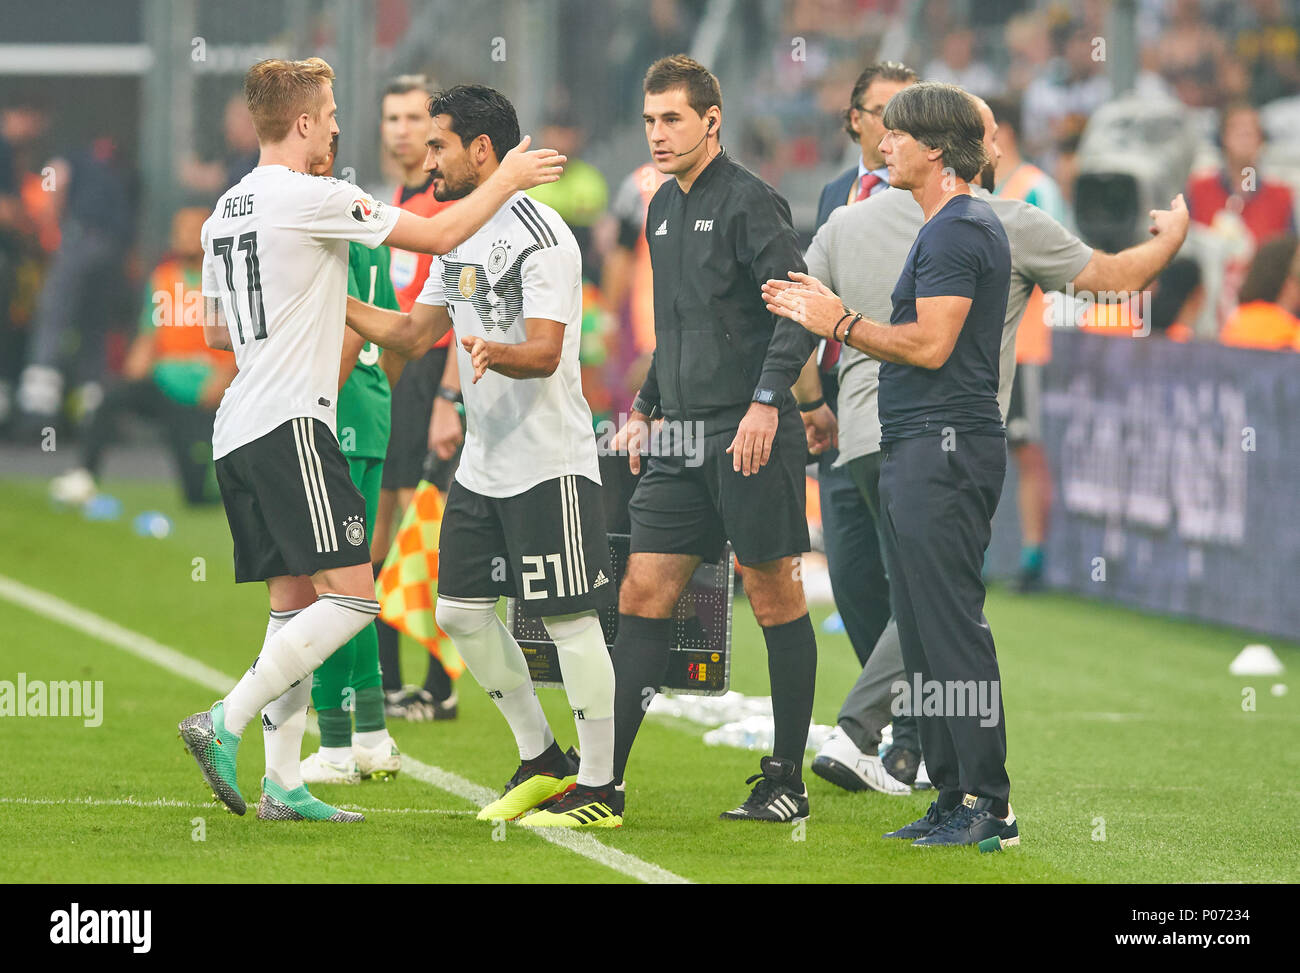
{"points": [[880, 71], [1006, 112], [679, 71], [406, 83], [1238, 107], [1174, 287], [1273, 263], [944, 117], [475, 110]]}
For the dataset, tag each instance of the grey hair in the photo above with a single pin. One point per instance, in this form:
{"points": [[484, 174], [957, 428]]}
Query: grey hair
{"points": [[943, 117]]}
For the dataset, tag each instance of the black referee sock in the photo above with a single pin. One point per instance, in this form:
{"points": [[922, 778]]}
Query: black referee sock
{"points": [[390, 664], [792, 667], [436, 682], [640, 662]]}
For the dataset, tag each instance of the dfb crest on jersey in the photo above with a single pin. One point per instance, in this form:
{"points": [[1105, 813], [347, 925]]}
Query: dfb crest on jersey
{"points": [[468, 283], [354, 529], [496, 261]]}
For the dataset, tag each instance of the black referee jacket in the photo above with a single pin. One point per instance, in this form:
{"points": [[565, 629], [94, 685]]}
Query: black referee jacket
{"points": [[716, 345]]}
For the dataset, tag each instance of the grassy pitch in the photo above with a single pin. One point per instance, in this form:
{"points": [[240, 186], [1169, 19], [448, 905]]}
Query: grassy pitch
{"points": [[1133, 755]]}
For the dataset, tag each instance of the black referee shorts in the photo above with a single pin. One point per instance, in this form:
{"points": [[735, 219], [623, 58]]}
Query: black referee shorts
{"points": [[291, 503], [546, 546], [408, 437], [694, 504]]}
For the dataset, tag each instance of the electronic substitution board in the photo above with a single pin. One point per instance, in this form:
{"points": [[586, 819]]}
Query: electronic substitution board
{"points": [[700, 660]]}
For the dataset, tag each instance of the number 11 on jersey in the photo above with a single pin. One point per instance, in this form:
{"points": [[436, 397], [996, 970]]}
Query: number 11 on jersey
{"points": [[224, 247]]}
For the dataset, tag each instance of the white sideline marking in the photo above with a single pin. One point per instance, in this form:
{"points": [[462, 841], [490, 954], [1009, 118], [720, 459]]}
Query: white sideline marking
{"points": [[210, 806], [141, 646]]}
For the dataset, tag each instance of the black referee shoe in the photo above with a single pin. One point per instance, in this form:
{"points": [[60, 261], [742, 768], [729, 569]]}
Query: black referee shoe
{"points": [[773, 798]]}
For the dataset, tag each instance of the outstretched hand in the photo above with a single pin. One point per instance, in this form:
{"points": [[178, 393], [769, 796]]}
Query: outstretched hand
{"points": [[1173, 221], [806, 301], [524, 169]]}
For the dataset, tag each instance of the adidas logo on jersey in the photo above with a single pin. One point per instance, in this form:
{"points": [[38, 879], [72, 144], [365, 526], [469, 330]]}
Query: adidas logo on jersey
{"points": [[663, 229], [600, 579]]}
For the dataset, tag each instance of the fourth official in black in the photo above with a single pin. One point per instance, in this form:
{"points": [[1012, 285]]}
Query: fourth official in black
{"points": [[723, 363]]}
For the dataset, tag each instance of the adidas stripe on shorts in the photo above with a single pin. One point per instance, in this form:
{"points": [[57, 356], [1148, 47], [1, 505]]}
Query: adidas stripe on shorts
{"points": [[545, 546], [291, 503]]}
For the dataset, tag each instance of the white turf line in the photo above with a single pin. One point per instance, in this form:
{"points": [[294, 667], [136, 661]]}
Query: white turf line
{"points": [[210, 806], [97, 627]]}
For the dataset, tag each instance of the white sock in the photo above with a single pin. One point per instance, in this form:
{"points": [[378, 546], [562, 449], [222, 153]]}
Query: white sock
{"points": [[275, 621], [336, 755], [293, 653], [589, 681], [496, 661], [369, 738], [284, 721]]}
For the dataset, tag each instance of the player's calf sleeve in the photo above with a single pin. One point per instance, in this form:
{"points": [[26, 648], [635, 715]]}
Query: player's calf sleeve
{"points": [[284, 721], [589, 682], [792, 668], [275, 621], [294, 652], [494, 658], [328, 687], [640, 663], [369, 714]]}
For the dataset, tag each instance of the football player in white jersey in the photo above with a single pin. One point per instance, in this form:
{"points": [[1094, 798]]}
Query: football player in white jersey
{"points": [[275, 282], [524, 515]]}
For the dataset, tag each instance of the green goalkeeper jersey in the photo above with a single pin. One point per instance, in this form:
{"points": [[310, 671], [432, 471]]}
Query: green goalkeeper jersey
{"points": [[365, 401]]}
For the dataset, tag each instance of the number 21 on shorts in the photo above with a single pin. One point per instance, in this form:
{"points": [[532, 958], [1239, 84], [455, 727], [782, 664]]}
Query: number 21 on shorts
{"points": [[535, 571]]}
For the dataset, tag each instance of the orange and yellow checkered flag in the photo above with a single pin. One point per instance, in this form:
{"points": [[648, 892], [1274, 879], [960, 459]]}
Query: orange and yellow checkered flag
{"points": [[405, 587]]}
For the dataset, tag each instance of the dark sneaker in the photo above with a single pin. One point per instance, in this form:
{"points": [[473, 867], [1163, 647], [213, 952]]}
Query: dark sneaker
{"points": [[922, 826], [972, 822], [582, 807], [418, 706], [901, 764], [773, 797], [537, 780]]}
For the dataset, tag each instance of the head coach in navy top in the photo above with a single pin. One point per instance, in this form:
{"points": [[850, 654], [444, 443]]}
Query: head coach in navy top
{"points": [[944, 450]]}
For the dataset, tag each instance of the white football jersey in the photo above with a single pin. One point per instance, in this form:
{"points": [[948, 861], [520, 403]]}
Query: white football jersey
{"points": [[275, 251], [523, 263]]}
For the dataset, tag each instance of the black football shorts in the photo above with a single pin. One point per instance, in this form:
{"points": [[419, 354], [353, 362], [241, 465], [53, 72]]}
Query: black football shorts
{"points": [[546, 546], [291, 503], [688, 504]]}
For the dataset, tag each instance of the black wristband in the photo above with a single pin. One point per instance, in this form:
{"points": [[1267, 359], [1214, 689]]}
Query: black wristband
{"points": [[847, 313], [849, 330], [810, 406], [644, 407], [450, 394]]}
